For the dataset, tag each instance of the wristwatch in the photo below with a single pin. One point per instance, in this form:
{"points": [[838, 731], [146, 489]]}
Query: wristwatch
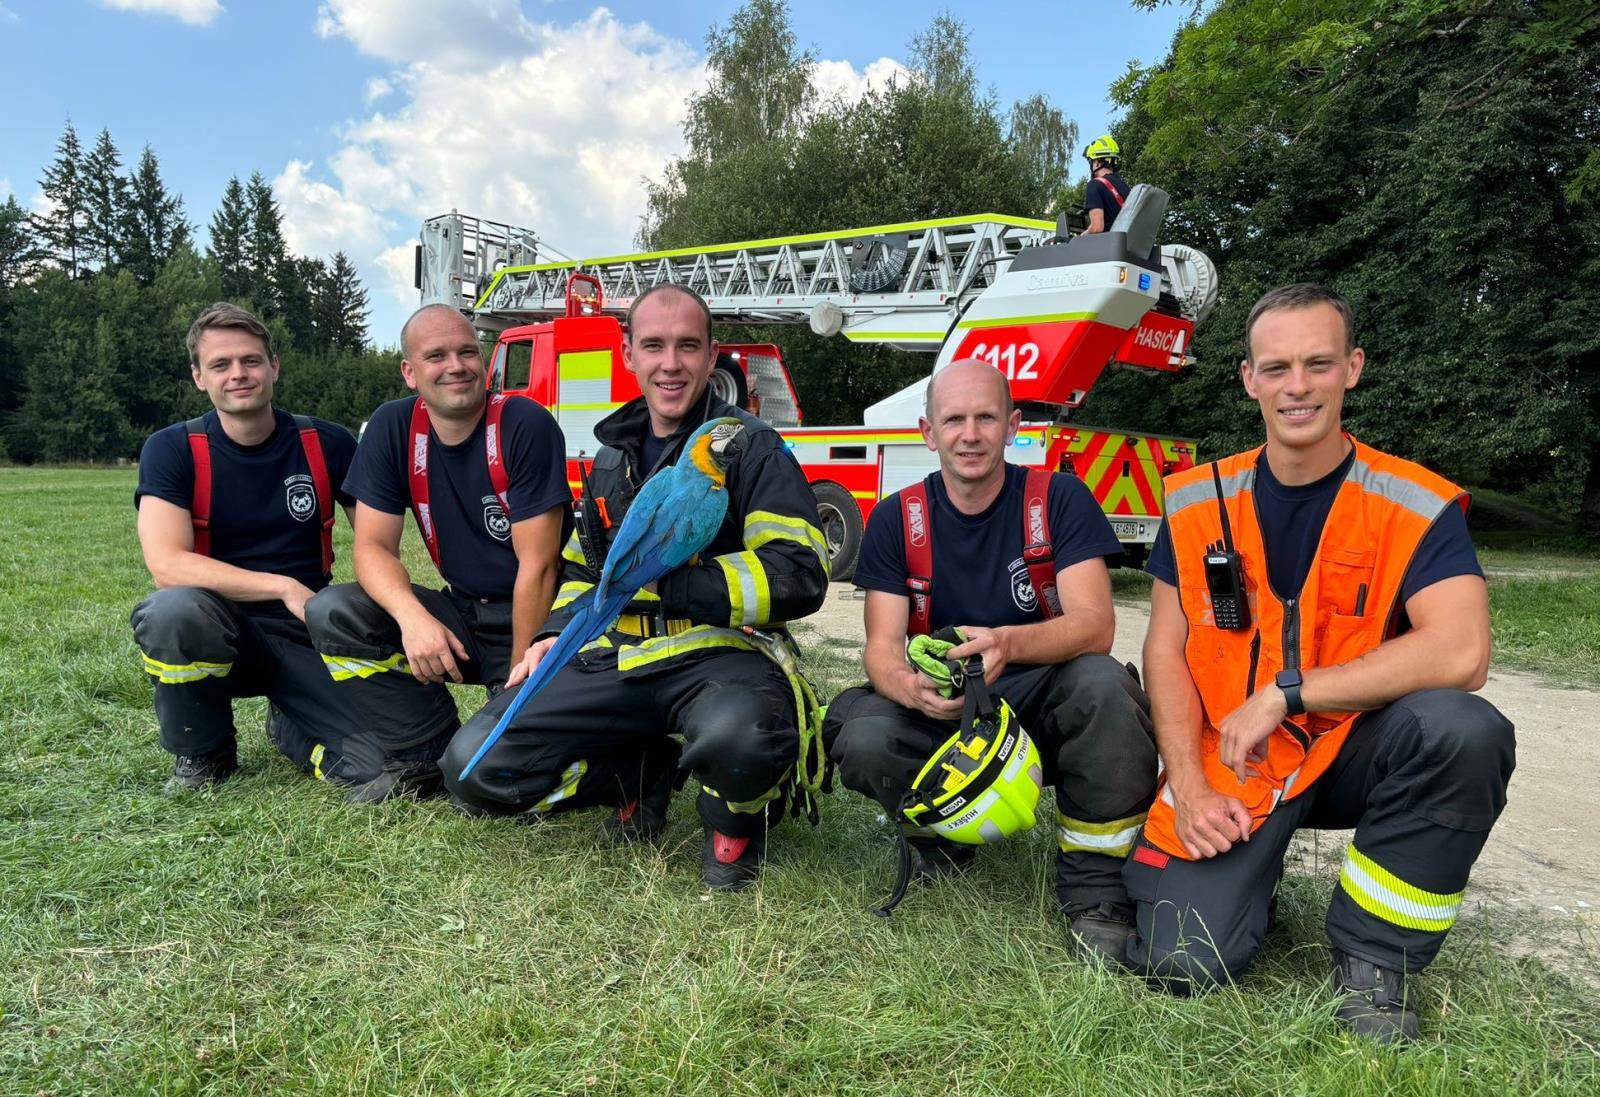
{"points": [[1290, 681]]}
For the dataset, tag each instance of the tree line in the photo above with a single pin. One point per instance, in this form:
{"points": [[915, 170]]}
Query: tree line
{"points": [[1434, 160], [97, 292]]}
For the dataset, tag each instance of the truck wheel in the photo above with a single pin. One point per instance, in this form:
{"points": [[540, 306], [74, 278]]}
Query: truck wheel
{"points": [[728, 382], [841, 528]]}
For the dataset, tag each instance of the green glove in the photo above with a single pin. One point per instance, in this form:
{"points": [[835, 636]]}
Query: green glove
{"points": [[927, 655]]}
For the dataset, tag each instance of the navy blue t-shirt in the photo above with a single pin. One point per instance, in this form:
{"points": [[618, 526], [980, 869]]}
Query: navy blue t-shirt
{"points": [[1096, 197], [475, 553], [1292, 518], [253, 524], [979, 577]]}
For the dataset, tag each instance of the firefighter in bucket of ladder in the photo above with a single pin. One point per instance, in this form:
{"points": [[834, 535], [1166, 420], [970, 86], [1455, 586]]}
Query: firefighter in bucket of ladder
{"points": [[1106, 192], [236, 512], [485, 477], [1317, 623], [1015, 561], [704, 655]]}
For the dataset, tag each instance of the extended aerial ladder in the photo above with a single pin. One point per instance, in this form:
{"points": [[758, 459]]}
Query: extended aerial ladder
{"points": [[911, 286]]}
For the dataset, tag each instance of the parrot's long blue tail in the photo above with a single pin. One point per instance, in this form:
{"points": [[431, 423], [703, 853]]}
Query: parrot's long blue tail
{"points": [[586, 624]]}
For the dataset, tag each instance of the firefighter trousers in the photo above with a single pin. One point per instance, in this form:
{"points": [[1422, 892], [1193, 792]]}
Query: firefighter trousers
{"points": [[1091, 722], [203, 650], [362, 652], [1421, 781], [596, 737]]}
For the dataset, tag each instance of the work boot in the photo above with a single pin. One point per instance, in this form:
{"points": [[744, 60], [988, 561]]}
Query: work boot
{"points": [[421, 779], [1375, 1004], [1099, 934], [935, 858], [731, 864], [191, 773], [644, 818]]}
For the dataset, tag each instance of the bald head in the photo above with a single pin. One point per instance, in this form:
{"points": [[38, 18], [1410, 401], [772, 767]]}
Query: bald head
{"points": [[967, 375], [420, 314]]}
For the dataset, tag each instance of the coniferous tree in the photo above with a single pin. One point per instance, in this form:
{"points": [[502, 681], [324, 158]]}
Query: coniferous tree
{"points": [[299, 289], [62, 229], [154, 225], [230, 233], [19, 248], [265, 252], [342, 307], [105, 194]]}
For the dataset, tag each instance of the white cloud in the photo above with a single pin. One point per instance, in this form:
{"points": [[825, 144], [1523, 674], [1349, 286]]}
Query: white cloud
{"points": [[9, 16], [196, 13], [448, 34], [5, 186], [319, 219], [550, 127], [840, 78]]}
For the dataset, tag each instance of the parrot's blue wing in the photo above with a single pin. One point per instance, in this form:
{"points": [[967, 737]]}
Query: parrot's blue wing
{"points": [[588, 623]]}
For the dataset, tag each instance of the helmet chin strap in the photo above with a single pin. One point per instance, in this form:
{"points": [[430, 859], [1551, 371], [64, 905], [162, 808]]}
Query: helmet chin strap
{"points": [[977, 704]]}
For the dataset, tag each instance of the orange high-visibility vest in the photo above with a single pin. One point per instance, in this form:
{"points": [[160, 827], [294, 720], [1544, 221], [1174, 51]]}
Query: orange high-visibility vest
{"points": [[1384, 508]]}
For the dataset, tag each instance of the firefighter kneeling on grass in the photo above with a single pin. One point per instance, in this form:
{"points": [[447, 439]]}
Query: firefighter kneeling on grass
{"points": [[1317, 621], [678, 660], [236, 514], [1015, 560]]}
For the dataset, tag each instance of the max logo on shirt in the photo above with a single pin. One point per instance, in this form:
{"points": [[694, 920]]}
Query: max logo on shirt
{"points": [[495, 519], [302, 497]]}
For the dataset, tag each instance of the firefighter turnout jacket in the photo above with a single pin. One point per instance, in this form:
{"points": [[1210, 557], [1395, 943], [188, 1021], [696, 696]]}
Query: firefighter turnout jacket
{"points": [[767, 565], [1349, 605]]}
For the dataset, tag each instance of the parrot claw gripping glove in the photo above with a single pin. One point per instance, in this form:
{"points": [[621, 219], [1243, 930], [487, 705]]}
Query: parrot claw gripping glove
{"points": [[927, 654]]}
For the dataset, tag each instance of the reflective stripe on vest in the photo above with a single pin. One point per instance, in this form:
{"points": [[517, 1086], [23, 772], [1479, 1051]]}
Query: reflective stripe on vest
{"points": [[916, 522], [1383, 510], [498, 479], [200, 500]]}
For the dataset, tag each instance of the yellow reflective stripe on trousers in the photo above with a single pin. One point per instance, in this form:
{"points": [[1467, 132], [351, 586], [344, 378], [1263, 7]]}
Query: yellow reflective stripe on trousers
{"points": [[1114, 839], [763, 526], [318, 752], [176, 673], [748, 807], [573, 549], [568, 786], [749, 599], [342, 668], [1384, 895]]}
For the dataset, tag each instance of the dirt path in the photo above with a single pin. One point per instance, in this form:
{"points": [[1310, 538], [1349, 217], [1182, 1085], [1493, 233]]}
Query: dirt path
{"points": [[1541, 857]]}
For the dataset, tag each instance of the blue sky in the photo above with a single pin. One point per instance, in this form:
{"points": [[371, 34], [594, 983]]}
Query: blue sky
{"points": [[369, 115]]}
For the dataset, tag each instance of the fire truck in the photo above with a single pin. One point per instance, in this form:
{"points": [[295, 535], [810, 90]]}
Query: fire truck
{"points": [[1049, 307]]}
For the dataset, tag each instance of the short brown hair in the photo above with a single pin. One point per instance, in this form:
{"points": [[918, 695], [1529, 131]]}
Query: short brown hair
{"points": [[223, 315], [700, 302], [1302, 295]]}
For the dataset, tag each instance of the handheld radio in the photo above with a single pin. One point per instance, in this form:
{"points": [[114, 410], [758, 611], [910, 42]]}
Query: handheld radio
{"points": [[1230, 604]]}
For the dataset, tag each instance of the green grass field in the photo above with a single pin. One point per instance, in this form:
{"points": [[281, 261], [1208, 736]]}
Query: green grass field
{"points": [[268, 938]]}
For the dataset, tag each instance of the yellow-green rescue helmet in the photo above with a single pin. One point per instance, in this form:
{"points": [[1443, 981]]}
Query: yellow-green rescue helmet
{"points": [[1103, 147], [982, 784]]}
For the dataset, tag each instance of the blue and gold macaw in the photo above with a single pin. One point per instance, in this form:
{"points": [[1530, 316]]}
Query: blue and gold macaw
{"points": [[674, 516]]}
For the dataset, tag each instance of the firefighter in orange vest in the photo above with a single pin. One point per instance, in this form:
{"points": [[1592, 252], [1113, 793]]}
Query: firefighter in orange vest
{"points": [[1317, 626], [236, 511], [1017, 563]]}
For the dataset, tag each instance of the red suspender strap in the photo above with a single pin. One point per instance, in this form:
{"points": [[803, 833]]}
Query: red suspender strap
{"points": [[917, 528], [1121, 201], [419, 478], [1037, 551], [498, 479], [311, 442], [200, 502]]}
